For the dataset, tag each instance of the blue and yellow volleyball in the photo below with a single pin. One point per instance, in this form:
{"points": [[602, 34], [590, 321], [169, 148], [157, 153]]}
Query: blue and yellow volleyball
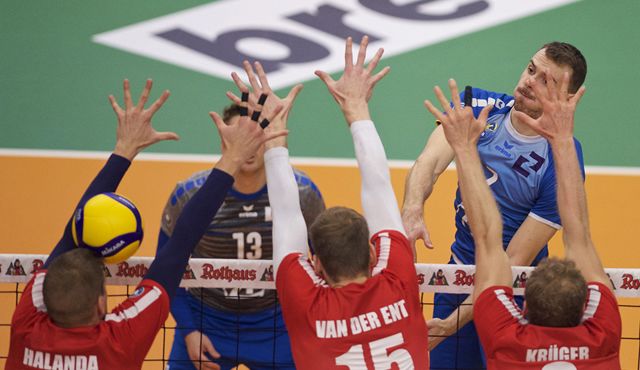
{"points": [[110, 225]]}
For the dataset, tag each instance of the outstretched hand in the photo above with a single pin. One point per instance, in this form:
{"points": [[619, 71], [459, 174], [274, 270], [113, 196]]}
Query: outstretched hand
{"points": [[355, 87], [413, 222], [134, 131], [558, 109], [461, 128], [243, 138], [265, 101]]}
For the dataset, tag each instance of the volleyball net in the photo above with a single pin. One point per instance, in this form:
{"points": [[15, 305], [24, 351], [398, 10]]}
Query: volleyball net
{"points": [[121, 278]]}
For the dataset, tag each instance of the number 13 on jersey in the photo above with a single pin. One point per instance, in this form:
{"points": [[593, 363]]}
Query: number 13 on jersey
{"points": [[253, 240]]}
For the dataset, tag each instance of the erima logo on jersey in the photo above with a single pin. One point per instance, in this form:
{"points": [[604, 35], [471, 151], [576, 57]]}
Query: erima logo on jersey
{"points": [[248, 212], [504, 149]]}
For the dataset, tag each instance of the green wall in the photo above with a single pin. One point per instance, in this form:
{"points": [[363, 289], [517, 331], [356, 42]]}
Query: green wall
{"points": [[55, 81]]}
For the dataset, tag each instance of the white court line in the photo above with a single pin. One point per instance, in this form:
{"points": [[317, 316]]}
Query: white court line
{"points": [[300, 161]]}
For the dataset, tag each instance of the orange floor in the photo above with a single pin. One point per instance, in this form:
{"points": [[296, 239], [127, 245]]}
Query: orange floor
{"points": [[38, 196]]}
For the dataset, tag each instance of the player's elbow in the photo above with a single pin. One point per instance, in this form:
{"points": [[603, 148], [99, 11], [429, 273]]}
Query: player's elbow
{"points": [[430, 164], [576, 239], [488, 236]]}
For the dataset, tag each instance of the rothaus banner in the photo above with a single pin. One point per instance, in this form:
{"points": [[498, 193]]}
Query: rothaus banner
{"points": [[293, 38], [259, 274]]}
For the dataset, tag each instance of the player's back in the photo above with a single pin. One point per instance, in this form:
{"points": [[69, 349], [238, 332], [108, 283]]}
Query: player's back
{"points": [[47, 346], [370, 325], [120, 341], [511, 342], [580, 346]]}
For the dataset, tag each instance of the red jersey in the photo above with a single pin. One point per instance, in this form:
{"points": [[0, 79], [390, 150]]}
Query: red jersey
{"points": [[510, 342], [374, 325], [120, 341]]}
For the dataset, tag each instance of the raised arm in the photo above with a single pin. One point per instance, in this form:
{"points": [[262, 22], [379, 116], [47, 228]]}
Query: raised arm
{"points": [[462, 131], [434, 159], [133, 133], [352, 93], [289, 228], [242, 140], [556, 125]]}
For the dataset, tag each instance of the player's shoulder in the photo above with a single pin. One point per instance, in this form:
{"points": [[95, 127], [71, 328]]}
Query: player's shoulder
{"points": [[148, 296], [599, 293], [384, 241], [502, 105], [495, 295], [297, 269], [196, 179], [502, 102], [189, 186], [301, 177], [395, 236], [305, 183]]}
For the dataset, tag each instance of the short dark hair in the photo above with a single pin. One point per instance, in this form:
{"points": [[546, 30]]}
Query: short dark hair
{"points": [[72, 286], [555, 295], [230, 111], [340, 239], [565, 54]]}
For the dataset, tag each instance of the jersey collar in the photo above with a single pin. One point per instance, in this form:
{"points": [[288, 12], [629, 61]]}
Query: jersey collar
{"points": [[518, 136]]}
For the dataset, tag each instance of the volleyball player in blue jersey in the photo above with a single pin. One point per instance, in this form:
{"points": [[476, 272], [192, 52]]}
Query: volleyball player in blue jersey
{"points": [[221, 328], [519, 169]]}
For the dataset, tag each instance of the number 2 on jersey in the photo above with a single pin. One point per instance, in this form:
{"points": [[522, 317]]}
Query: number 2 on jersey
{"points": [[382, 359]]}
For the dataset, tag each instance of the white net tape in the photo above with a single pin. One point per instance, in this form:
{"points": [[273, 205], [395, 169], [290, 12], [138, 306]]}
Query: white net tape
{"points": [[258, 274]]}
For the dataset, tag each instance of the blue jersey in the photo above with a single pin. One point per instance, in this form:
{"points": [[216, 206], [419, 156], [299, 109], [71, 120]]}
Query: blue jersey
{"points": [[519, 171], [241, 229]]}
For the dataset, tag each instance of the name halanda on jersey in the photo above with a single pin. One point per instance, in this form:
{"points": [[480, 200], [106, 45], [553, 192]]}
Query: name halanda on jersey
{"points": [[54, 361], [363, 322], [557, 353]]}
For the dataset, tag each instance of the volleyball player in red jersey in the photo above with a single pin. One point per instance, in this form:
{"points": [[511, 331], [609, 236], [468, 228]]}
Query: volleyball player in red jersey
{"points": [[571, 318], [354, 304], [61, 321]]}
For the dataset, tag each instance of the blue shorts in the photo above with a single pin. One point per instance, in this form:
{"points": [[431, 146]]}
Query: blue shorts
{"points": [[461, 350], [257, 340]]}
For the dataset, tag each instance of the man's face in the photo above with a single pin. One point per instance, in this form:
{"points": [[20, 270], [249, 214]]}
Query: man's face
{"points": [[256, 162], [525, 98]]}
